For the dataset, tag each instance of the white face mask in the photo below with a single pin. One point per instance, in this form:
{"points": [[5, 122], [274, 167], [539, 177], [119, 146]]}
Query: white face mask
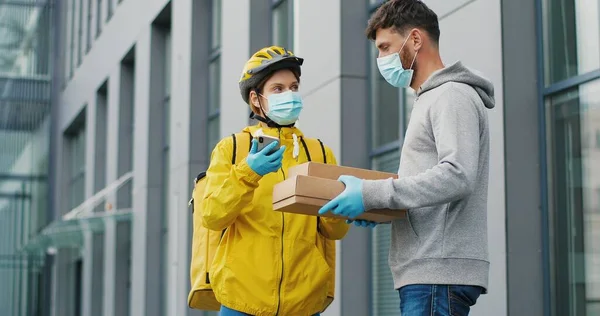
{"points": [[393, 72], [285, 107]]}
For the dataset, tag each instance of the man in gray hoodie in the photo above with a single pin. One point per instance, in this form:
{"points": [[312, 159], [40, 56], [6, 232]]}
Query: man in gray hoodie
{"points": [[439, 252]]}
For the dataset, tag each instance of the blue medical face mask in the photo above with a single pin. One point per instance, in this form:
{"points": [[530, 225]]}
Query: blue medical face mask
{"points": [[285, 107], [393, 72]]}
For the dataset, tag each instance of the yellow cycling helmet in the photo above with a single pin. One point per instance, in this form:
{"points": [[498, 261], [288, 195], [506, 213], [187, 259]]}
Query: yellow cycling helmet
{"points": [[265, 62]]}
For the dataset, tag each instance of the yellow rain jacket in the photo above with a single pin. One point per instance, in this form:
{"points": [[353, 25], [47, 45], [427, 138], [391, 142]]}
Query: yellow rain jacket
{"points": [[268, 262]]}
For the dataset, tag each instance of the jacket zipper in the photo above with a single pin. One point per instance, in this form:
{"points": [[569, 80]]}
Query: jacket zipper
{"points": [[282, 232]]}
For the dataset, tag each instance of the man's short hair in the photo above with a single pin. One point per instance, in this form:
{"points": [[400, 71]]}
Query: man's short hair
{"points": [[403, 15]]}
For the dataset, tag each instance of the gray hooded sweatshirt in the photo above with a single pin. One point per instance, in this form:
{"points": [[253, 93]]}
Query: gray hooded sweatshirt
{"points": [[443, 183]]}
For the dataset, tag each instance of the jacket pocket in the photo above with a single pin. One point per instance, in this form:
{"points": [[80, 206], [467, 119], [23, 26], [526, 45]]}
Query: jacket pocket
{"points": [[404, 240], [427, 225], [410, 225], [306, 278]]}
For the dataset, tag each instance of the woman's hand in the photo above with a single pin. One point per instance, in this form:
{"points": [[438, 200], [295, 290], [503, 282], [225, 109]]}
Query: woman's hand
{"points": [[262, 162]]}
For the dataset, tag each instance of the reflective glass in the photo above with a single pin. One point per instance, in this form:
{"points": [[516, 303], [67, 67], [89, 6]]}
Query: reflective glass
{"points": [[385, 298], [214, 132], [214, 97], [571, 38], [99, 17], [216, 24], [573, 122], [88, 44], [282, 25], [385, 107]]}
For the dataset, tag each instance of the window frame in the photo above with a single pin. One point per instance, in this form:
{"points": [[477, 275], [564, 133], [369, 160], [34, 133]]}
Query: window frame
{"points": [[80, 33], [545, 92], [76, 146], [88, 45], [110, 10], [386, 148], [274, 5], [213, 113], [72, 61], [165, 159], [99, 21]]}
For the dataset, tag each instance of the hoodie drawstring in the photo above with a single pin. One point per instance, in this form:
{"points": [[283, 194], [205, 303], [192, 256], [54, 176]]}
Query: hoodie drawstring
{"points": [[296, 150]]}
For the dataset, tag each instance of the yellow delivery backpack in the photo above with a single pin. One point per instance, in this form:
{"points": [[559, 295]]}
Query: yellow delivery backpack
{"points": [[205, 241]]}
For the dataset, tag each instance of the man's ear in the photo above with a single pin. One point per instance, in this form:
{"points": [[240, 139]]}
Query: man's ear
{"points": [[416, 36]]}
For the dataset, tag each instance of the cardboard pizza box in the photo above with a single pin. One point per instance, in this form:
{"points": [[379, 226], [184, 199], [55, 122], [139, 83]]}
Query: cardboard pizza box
{"points": [[333, 172], [306, 195]]}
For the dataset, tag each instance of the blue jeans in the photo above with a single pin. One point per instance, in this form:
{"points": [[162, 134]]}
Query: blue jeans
{"points": [[230, 312], [438, 300]]}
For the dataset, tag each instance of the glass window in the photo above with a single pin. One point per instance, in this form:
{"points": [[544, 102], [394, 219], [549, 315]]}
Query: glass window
{"points": [[282, 23], [80, 32], [216, 25], [571, 38], [574, 174], [214, 73], [166, 171], [88, 45], [214, 103], [126, 137], [385, 298], [76, 151], [167, 77], [214, 132], [214, 80], [385, 107], [110, 9], [98, 17], [72, 42]]}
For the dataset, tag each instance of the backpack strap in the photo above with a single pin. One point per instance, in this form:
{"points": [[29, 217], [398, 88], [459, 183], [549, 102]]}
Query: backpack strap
{"points": [[310, 145], [234, 155], [323, 151], [240, 141], [305, 149]]}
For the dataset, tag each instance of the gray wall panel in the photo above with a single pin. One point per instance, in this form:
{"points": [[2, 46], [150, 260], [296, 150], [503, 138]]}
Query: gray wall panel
{"points": [[524, 221], [355, 147]]}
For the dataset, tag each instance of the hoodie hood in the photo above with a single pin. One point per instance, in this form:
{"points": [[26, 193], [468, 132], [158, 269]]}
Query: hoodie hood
{"points": [[459, 73]]}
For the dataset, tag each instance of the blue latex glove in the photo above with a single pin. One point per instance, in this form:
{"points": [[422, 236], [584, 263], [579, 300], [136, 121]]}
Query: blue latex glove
{"points": [[361, 223], [350, 202], [261, 162]]}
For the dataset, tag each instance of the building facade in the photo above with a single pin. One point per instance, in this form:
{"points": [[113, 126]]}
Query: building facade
{"points": [[25, 93], [144, 89]]}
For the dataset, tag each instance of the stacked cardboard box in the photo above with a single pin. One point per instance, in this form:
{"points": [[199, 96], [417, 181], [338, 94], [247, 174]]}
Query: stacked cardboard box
{"points": [[312, 185]]}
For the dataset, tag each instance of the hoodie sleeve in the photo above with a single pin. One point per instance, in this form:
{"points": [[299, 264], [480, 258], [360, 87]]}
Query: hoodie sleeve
{"points": [[455, 120], [332, 228], [229, 189]]}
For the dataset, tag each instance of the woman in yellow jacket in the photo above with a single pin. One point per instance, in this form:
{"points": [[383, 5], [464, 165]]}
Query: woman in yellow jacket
{"points": [[268, 263]]}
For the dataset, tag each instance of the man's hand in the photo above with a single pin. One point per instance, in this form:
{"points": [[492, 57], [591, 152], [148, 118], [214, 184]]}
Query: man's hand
{"points": [[362, 223], [350, 202]]}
